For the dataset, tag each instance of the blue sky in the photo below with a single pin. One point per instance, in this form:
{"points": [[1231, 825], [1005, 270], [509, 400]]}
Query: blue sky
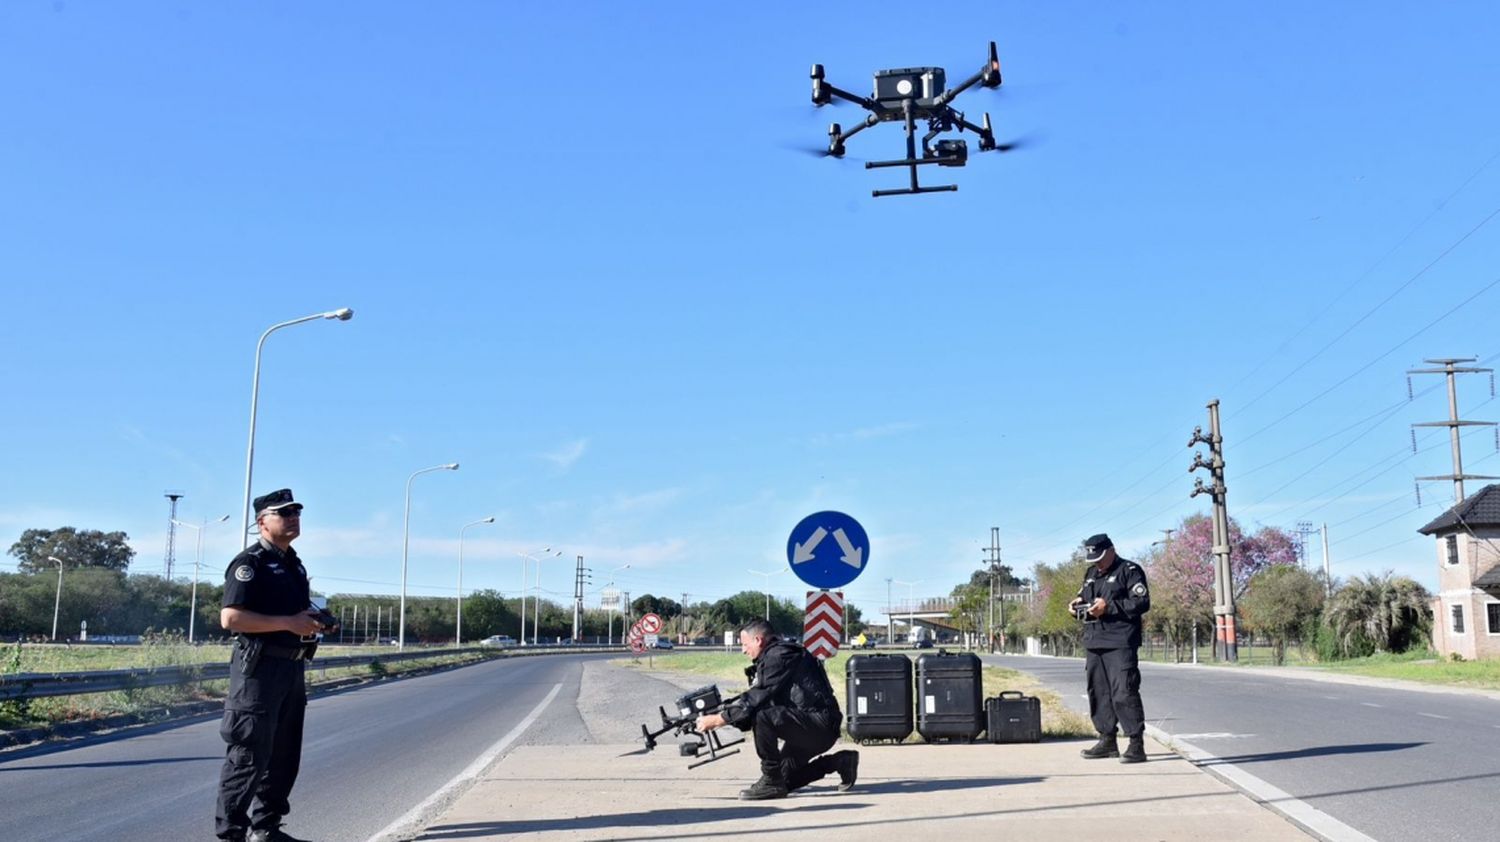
{"points": [[588, 263]]}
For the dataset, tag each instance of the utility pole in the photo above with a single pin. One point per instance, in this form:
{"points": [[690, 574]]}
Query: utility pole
{"points": [[578, 580], [1451, 367], [993, 551], [1166, 539], [1224, 628], [682, 619], [1327, 574], [171, 558]]}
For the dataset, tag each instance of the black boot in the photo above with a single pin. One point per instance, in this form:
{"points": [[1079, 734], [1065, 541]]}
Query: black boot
{"points": [[1135, 752], [1106, 747], [848, 769], [764, 789], [274, 834]]}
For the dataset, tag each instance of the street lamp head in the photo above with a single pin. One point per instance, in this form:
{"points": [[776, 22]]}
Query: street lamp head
{"points": [[54, 558], [222, 519], [490, 519], [343, 314], [451, 466]]}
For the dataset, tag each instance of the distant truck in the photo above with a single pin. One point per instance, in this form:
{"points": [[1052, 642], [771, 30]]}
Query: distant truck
{"points": [[920, 637]]}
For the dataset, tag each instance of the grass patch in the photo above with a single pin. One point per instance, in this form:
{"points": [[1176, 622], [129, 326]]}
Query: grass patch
{"points": [[164, 651], [1425, 667], [727, 669]]}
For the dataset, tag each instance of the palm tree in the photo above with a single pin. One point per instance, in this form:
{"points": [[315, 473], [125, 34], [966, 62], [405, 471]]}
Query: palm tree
{"points": [[1384, 613]]}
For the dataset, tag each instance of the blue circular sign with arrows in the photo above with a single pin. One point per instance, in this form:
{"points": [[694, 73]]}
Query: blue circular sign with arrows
{"points": [[828, 549]]}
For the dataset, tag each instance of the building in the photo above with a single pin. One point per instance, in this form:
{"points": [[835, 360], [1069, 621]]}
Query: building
{"points": [[1466, 610]]}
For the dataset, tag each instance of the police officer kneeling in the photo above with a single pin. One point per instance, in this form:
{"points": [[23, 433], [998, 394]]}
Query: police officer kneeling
{"points": [[790, 701], [1114, 596], [267, 606]]}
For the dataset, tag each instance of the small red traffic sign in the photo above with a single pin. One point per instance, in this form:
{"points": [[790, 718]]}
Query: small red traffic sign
{"points": [[650, 624]]}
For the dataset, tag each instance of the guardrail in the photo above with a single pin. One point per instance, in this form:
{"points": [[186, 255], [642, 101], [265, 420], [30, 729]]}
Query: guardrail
{"points": [[41, 685]]}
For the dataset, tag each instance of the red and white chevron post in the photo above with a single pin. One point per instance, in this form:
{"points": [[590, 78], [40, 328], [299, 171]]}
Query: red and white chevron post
{"points": [[823, 627]]}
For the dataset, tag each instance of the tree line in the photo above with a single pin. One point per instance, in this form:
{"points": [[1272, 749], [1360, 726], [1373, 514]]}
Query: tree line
{"points": [[1277, 598]]}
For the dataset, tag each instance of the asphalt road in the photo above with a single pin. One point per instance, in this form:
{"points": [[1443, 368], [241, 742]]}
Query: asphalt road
{"points": [[370, 755], [1394, 764]]}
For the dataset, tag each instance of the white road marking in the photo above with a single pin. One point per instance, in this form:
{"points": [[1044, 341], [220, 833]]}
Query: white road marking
{"points": [[1212, 735], [1371, 705], [1431, 715], [409, 824], [1299, 811]]}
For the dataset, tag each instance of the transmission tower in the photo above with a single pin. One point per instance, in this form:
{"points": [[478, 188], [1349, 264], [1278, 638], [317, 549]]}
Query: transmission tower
{"points": [[1304, 529], [171, 558], [1450, 367]]}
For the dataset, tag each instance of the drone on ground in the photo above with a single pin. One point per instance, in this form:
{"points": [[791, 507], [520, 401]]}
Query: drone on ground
{"points": [[910, 94]]}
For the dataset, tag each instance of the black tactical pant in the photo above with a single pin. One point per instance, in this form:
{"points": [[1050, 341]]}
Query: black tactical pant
{"points": [[263, 727], [802, 736], [1114, 679]]}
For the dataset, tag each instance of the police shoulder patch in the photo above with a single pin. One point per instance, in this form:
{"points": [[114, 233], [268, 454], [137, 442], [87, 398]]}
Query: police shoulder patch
{"points": [[244, 573], [1139, 589]]}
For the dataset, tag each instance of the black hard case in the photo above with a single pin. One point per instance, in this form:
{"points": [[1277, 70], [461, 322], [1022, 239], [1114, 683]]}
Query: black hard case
{"points": [[949, 699], [1013, 717], [878, 697]]}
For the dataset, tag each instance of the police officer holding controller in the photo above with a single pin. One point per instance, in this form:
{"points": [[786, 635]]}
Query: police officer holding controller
{"points": [[267, 605], [1110, 603]]}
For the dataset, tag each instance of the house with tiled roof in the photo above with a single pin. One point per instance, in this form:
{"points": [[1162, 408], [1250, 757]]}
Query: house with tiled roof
{"points": [[1466, 609]]}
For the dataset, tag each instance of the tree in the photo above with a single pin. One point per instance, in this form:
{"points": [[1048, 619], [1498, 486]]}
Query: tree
{"points": [[1379, 613], [1282, 603], [1182, 572], [85, 548]]}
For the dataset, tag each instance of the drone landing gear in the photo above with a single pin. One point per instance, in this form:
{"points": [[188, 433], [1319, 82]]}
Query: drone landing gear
{"points": [[950, 153]]}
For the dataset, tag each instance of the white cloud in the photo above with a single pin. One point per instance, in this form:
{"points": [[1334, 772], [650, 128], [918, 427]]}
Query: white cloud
{"points": [[567, 454]]}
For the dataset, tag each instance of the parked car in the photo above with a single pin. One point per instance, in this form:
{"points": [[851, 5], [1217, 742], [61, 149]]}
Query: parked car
{"points": [[663, 643], [500, 640]]}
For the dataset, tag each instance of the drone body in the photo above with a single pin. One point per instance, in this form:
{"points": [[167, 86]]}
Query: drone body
{"points": [[909, 94]]}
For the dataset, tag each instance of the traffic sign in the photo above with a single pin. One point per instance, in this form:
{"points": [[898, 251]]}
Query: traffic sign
{"points": [[650, 623], [651, 641], [637, 646], [828, 549], [823, 626]]}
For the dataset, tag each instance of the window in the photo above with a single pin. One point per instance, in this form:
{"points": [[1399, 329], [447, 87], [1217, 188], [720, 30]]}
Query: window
{"points": [[1493, 609], [1452, 549], [1458, 619]]}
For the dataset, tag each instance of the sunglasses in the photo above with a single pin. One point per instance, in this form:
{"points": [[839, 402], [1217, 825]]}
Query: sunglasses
{"points": [[287, 513]]}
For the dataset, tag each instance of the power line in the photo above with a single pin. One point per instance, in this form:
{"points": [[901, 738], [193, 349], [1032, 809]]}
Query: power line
{"points": [[1486, 288], [1357, 281]]}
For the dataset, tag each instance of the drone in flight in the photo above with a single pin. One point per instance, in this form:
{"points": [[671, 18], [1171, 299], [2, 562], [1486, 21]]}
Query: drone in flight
{"points": [[910, 94]]}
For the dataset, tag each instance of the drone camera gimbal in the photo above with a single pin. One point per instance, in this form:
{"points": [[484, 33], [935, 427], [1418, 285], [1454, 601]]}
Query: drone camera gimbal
{"points": [[909, 94]]}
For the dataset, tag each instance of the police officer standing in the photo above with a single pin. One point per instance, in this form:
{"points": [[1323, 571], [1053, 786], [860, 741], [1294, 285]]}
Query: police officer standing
{"points": [[267, 605], [1113, 598], [789, 702]]}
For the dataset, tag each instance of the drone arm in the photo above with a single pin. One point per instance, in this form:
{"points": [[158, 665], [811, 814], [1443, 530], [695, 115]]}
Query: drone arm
{"points": [[869, 121], [863, 102], [989, 76]]}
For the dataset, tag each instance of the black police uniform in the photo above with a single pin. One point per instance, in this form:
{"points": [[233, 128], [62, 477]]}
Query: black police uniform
{"points": [[1111, 641], [267, 693], [790, 700]]}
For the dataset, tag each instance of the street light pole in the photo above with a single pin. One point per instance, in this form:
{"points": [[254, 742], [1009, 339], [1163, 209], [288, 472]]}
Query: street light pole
{"points": [[343, 314], [536, 602], [197, 565], [458, 634], [56, 605], [910, 607], [406, 543], [609, 633], [524, 588], [768, 574]]}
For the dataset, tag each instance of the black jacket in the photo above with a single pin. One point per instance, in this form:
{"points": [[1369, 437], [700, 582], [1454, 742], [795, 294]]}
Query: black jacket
{"points": [[785, 674], [1126, 598]]}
